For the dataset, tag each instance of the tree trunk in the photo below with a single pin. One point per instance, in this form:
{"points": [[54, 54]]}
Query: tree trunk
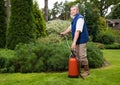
{"points": [[8, 10], [46, 10]]}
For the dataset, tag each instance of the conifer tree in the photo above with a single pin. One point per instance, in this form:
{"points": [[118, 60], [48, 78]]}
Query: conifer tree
{"points": [[21, 27], [39, 21], [3, 24]]}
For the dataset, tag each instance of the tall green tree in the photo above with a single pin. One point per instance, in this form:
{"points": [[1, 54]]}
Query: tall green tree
{"points": [[39, 21], [115, 13], [93, 19], [103, 5], [21, 27], [3, 24], [57, 9], [65, 15]]}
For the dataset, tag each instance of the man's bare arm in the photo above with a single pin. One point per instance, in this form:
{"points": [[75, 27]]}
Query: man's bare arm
{"points": [[66, 31], [77, 33]]}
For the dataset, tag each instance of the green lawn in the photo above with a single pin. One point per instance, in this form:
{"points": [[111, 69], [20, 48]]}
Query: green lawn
{"points": [[109, 75]]}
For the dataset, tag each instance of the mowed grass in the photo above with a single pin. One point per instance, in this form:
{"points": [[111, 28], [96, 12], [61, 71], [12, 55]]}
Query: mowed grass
{"points": [[109, 75]]}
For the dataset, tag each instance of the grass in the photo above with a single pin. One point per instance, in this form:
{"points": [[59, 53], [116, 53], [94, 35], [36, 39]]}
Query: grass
{"points": [[109, 75]]}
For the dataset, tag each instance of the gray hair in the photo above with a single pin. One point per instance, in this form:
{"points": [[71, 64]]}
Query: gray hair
{"points": [[76, 6]]}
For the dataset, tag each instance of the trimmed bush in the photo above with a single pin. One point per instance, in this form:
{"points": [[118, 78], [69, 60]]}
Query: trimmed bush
{"points": [[95, 56], [100, 45], [25, 58], [6, 57], [117, 35], [44, 56], [113, 46], [56, 26], [41, 57], [3, 24], [21, 27], [105, 38], [52, 38]]}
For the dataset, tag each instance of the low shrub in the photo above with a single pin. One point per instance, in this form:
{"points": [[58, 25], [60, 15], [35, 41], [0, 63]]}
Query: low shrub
{"points": [[113, 46], [117, 35], [57, 26], [95, 56], [105, 38], [6, 57], [44, 57], [52, 38], [25, 58], [41, 57], [100, 45]]}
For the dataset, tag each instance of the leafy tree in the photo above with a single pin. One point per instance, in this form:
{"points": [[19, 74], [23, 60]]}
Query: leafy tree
{"points": [[21, 27], [115, 13], [39, 21], [102, 24], [65, 15], [92, 18], [3, 24], [103, 5], [57, 9]]}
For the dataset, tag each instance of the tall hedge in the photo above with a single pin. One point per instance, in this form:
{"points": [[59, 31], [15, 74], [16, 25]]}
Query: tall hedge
{"points": [[3, 24], [21, 27]]}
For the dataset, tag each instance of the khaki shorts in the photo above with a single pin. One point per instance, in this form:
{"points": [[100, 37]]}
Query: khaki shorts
{"points": [[81, 53]]}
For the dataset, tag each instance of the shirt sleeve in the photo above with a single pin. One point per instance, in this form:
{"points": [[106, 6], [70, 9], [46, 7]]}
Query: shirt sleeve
{"points": [[79, 24]]}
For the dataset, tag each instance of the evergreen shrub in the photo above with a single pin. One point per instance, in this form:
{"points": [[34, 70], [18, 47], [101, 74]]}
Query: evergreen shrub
{"points": [[95, 56], [105, 38], [6, 58], [21, 27]]}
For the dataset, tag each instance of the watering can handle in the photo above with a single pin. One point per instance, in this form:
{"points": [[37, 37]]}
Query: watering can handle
{"points": [[73, 53]]}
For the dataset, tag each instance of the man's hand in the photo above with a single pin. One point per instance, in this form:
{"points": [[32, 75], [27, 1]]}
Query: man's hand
{"points": [[73, 47], [62, 33], [66, 31]]}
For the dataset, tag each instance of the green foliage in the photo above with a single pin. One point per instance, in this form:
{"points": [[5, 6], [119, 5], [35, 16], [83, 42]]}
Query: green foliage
{"points": [[108, 75], [25, 59], [3, 24], [115, 13], [102, 24], [103, 5], [21, 27], [6, 57], [113, 46], [39, 21], [52, 38], [44, 57], [105, 37], [57, 26], [100, 45], [57, 10], [95, 56], [116, 35], [40, 57], [92, 18]]}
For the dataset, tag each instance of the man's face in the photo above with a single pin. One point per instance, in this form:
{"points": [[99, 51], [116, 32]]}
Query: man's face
{"points": [[73, 11]]}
